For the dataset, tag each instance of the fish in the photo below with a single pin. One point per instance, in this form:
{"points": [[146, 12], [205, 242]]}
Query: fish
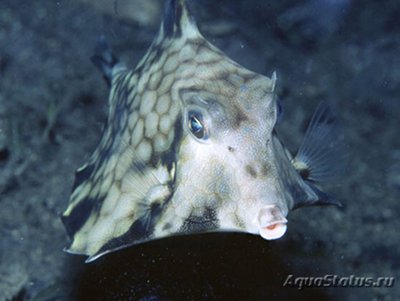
{"points": [[190, 146]]}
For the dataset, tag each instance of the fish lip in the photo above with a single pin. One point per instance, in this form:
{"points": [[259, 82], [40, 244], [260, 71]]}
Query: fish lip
{"points": [[271, 221]]}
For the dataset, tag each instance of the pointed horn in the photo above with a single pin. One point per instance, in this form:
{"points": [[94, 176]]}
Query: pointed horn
{"points": [[178, 19], [273, 81]]}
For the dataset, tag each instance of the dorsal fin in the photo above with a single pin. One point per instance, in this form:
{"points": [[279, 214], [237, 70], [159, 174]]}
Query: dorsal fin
{"points": [[178, 19]]}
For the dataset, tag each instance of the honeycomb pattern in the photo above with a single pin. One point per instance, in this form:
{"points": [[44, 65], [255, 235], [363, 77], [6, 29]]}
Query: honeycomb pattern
{"points": [[144, 107]]}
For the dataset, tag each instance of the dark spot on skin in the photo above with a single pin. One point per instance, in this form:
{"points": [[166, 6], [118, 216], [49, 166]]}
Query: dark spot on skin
{"points": [[167, 226], [117, 183], [226, 77], [231, 149], [199, 223], [239, 117], [169, 157], [249, 76], [239, 222], [251, 171], [155, 209], [131, 216]]}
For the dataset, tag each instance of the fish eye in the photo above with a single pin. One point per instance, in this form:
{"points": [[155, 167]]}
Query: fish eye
{"points": [[196, 125]]}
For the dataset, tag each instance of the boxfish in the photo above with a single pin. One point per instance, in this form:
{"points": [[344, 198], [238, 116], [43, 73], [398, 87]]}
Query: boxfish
{"points": [[190, 146]]}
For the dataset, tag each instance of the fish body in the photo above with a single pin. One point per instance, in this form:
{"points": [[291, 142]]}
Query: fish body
{"points": [[189, 146]]}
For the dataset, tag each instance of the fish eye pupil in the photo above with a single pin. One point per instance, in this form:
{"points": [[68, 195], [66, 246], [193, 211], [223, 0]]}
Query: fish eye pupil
{"points": [[196, 126]]}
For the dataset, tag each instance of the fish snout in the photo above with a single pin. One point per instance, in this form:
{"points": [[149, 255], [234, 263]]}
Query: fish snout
{"points": [[272, 222]]}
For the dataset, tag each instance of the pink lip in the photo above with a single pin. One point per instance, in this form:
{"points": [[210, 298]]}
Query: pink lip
{"points": [[272, 222]]}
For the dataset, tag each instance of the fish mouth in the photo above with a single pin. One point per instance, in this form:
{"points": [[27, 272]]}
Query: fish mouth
{"points": [[272, 222]]}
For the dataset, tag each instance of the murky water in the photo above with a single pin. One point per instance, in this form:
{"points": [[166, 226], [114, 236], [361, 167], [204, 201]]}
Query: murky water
{"points": [[53, 103]]}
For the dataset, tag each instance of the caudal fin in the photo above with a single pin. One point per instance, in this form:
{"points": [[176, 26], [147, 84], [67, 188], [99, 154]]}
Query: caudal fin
{"points": [[321, 157]]}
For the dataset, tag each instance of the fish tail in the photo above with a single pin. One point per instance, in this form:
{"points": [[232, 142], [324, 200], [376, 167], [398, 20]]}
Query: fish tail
{"points": [[104, 58], [321, 157]]}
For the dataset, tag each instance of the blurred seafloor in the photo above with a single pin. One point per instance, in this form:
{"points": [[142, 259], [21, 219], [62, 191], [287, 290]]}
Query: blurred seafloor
{"points": [[53, 104]]}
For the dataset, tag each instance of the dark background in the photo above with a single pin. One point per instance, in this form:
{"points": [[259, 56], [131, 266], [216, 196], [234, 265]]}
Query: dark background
{"points": [[53, 104]]}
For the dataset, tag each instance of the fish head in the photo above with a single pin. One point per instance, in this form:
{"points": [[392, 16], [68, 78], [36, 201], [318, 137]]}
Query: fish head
{"points": [[227, 157]]}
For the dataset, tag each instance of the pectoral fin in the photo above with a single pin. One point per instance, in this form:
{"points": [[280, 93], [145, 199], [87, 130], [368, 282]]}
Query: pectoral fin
{"points": [[321, 157], [124, 215]]}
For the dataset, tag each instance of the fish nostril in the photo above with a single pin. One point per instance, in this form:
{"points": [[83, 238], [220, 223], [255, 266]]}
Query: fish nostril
{"points": [[270, 215]]}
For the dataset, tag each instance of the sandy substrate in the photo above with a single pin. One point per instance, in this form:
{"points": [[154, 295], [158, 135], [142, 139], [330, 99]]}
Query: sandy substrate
{"points": [[53, 104]]}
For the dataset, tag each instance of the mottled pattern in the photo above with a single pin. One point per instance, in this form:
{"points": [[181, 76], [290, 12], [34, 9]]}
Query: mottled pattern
{"points": [[150, 178]]}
